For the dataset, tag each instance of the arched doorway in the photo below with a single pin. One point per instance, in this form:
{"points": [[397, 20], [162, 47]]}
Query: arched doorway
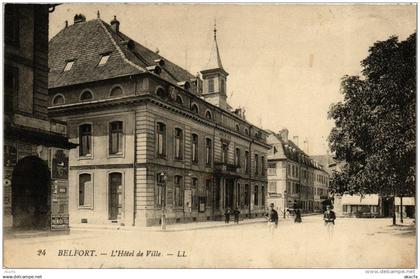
{"points": [[31, 193]]}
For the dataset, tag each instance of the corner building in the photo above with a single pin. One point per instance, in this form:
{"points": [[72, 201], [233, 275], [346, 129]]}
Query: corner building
{"points": [[35, 148], [153, 138]]}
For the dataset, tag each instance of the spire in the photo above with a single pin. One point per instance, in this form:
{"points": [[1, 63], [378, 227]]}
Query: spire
{"points": [[214, 62], [98, 14]]}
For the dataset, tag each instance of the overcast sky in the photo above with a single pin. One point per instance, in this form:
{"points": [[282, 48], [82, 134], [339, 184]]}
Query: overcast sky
{"points": [[284, 61]]}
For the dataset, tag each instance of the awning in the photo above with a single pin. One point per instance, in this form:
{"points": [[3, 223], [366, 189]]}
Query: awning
{"points": [[372, 199], [406, 201]]}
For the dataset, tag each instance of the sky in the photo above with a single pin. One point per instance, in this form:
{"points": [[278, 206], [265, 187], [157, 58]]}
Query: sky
{"points": [[285, 61]]}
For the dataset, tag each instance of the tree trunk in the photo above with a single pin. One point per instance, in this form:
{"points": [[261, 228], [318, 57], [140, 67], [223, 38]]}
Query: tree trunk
{"points": [[401, 209], [394, 219]]}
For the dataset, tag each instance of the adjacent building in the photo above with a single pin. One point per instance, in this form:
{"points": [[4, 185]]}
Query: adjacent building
{"points": [[153, 139], [35, 150], [294, 179]]}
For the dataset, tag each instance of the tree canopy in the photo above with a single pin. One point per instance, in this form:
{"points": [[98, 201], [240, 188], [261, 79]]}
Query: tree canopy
{"points": [[375, 124]]}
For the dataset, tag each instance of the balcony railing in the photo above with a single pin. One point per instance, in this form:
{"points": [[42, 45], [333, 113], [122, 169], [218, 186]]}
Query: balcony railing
{"points": [[221, 167]]}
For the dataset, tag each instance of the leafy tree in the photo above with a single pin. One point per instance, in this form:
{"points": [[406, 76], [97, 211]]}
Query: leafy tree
{"points": [[375, 124]]}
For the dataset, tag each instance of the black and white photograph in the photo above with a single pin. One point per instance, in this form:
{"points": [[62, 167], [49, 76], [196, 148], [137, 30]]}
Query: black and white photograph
{"points": [[209, 136]]}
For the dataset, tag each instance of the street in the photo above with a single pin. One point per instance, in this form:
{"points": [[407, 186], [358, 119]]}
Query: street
{"points": [[356, 243]]}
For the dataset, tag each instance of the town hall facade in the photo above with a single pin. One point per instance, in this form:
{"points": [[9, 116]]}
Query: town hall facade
{"points": [[153, 139]]}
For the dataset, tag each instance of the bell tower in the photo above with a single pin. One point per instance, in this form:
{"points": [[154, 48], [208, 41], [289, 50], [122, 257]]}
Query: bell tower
{"points": [[214, 77]]}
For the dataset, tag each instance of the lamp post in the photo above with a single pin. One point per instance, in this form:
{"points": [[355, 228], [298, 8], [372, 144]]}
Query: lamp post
{"points": [[163, 216], [285, 204]]}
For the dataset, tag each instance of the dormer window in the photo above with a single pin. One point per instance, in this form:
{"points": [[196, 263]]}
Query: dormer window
{"points": [[69, 65], [104, 59]]}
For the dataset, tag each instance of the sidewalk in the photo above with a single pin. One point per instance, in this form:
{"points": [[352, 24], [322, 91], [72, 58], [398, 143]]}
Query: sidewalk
{"points": [[171, 227]]}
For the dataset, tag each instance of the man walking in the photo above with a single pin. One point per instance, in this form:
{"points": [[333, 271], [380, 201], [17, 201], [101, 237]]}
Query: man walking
{"points": [[329, 221], [227, 215], [273, 218], [236, 213]]}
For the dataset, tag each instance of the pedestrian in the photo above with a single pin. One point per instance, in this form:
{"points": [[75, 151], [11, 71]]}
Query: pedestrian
{"points": [[236, 213], [298, 216], [329, 221], [273, 218], [227, 215]]}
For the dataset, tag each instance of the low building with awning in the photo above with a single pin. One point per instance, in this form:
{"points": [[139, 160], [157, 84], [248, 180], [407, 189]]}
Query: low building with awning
{"points": [[408, 206], [357, 205]]}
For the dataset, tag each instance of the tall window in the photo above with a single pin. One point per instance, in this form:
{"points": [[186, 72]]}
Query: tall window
{"points": [[208, 151], [209, 192], [178, 144], [211, 85], [262, 165], [225, 148], [222, 85], [85, 140], [85, 190], [246, 195], [246, 162], [11, 87], [194, 148], [161, 139], [238, 195], [11, 25], [208, 115], [256, 163], [256, 195], [160, 188], [262, 195], [116, 134], [272, 187], [237, 157], [178, 190], [194, 188]]}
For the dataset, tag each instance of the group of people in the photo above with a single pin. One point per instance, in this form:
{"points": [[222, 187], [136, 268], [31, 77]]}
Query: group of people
{"points": [[329, 218], [235, 213]]}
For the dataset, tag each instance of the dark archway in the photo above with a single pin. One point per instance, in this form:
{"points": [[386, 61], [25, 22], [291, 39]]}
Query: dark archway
{"points": [[31, 186]]}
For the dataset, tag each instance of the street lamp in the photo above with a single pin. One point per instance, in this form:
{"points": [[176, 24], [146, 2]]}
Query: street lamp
{"points": [[285, 204], [163, 216]]}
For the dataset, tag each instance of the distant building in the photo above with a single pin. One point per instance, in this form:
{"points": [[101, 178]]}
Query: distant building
{"points": [[35, 151], [357, 205], [293, 177], [154, 140]]}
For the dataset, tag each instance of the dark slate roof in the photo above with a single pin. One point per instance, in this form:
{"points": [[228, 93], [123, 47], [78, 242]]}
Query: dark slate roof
{"points": [[294, 153], [86, 42]]}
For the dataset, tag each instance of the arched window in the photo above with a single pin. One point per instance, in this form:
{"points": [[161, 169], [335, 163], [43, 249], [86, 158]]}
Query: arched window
{"points": [[179, 100], [86, 95], [246, 131], [161, 93], [237, 127], [194, 108], [58, 100], [116, 91], [208, 115]]}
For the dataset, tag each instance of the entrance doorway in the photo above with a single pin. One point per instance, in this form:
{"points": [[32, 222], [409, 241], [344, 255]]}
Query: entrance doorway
{"points": [[229, 193], [115, 196], [31, 186]]}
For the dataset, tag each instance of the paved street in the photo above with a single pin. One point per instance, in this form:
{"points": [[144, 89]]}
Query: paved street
{"points": [[363, 243]]}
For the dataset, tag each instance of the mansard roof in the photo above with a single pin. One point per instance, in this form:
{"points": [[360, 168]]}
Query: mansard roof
{"points": [[86, 42]]}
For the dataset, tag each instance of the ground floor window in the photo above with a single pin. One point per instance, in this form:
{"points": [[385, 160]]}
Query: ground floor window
{"points": [[85, 190]]}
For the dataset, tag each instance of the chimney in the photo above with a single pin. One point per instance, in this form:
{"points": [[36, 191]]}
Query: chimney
{"points": [[66, 24], [115, 25], [284, 134], [78, 18]]}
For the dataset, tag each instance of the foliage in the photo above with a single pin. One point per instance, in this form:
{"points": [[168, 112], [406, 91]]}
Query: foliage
{"points": [[375, 124]]}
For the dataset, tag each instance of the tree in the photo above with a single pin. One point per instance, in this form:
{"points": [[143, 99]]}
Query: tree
{"points": [[375, 124]]}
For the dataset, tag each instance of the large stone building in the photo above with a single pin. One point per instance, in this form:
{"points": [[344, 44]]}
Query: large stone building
{"points": [[35, 148], [294, 179], [153, 138]]}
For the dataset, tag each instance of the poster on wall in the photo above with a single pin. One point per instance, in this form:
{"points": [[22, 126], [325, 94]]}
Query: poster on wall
{"points": [[60, 163], [187, 201]]}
